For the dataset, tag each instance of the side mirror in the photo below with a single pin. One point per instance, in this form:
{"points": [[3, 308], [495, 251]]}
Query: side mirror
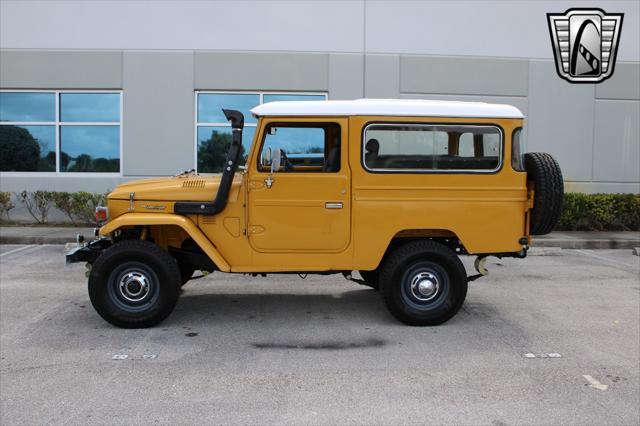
{"points": [[275, 162], [266, 157]]}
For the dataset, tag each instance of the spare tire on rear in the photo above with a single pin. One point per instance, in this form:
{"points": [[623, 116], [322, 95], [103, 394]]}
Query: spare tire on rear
{"points": [[543, 170]]}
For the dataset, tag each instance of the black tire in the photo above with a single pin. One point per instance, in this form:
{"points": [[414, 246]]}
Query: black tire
{"points": [[543, 170], [118, 280], [433, 264], [371, 278]]}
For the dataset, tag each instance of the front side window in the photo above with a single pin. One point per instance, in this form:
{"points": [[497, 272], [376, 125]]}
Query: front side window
{"points": [[60, 132], [431, 148], [308, 148], [213, 131]]}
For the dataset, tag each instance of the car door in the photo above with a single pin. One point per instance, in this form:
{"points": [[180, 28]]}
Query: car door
{"points": [[304, 205]]}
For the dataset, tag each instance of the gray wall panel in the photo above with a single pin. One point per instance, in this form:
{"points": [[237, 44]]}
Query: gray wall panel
{"points": [[382, 76], [465, 76], [561, 120], [616, 150], [261, 71], [623, 84], [158, 132], [60, 70], [346, 76]]}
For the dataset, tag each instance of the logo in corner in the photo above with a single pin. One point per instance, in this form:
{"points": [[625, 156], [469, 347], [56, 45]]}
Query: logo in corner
{"points": [[585, 43]]}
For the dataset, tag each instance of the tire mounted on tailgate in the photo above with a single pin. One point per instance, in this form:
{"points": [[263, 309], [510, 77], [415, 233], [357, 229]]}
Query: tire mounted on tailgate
{"points": [[543, 170]]}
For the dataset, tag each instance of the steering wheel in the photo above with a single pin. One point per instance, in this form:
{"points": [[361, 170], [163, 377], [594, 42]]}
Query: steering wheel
{"points": [[288, 167]]}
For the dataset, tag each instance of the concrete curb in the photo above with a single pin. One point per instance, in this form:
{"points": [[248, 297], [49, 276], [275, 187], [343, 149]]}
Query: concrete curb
{"points": [[585, 244], [13, 239]]}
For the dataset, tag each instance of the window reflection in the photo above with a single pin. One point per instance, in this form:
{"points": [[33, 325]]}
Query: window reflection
{"points": [[90, 149], [210, 106], [214, 144], [27, 149], [90, 107], [26, 106]]}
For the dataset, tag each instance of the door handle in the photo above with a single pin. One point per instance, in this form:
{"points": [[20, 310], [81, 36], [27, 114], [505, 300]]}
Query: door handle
{"points": [[332, 206], [268, 182]]}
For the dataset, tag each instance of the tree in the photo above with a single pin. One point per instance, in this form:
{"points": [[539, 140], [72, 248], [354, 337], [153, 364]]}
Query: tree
{"points": [[212, 152], [19, 151]]}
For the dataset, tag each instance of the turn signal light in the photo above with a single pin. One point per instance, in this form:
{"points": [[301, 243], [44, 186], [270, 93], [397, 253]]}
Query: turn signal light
{"points": [[102, 214]]}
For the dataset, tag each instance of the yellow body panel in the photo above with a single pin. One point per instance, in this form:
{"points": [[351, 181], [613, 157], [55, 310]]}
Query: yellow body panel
{"points": [[289, 228], [167, 220]]}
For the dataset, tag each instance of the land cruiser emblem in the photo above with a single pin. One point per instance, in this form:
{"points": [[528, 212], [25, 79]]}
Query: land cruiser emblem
{"points": [[585, 43]]}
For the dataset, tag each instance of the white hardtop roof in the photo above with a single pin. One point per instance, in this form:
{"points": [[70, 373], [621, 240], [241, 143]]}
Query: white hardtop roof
{"points": [[389, 107]]}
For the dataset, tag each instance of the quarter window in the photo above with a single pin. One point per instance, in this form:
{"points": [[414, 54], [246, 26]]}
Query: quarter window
{"points": [[213, 131], [428, 148], [60, 132], [517, 151]]}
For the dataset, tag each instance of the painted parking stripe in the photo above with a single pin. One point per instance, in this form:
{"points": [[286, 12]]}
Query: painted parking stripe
{"points": [[597, 256], [594, 383], [17, 250]]}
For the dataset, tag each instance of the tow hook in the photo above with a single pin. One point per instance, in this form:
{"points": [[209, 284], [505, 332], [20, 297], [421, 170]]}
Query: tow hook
{"points": [[479, 264]]}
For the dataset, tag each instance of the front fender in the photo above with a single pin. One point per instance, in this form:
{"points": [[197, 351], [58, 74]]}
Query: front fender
{"points": [[150, 219]]}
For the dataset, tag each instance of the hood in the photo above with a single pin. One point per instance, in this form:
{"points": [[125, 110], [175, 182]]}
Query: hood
{"points": [[177, 188]]}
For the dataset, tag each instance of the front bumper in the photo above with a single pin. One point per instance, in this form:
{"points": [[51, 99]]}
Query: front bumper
{"points": [[85, 252]]}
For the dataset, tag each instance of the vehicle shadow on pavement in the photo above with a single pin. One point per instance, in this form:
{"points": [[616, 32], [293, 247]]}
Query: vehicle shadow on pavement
{"points": [[359, 306]]}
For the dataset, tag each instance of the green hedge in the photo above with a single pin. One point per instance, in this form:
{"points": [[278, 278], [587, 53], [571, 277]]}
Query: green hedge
{"points": [[79, 206], [600, 212]]}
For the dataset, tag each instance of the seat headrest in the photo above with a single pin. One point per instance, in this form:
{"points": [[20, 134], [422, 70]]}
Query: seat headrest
{"points": [[372, 145]]}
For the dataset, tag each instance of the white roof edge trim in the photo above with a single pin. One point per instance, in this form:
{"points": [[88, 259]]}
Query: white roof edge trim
{"points": [[388, 107]]}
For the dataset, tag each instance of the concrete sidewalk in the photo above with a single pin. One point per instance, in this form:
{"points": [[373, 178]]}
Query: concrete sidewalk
{"points": [[566, 240]]}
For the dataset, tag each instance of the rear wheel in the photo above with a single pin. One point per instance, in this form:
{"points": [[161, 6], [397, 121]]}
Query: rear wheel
{"points": [[134, 284], [423, 283]]}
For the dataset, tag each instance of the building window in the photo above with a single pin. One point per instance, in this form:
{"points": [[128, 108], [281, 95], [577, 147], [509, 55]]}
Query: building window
{"points": [[63, 132], [431, 148], [213, 131]]}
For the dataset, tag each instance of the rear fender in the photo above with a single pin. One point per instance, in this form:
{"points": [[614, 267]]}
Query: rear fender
{"points": [[151, 219]]}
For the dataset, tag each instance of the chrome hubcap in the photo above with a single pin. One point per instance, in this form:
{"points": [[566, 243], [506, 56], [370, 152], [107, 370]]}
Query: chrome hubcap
{"points": [[424, 286], [134, 286]]}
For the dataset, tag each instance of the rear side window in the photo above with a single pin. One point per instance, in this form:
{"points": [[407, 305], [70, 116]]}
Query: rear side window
{"points": [[432, 148], [517, 151]]}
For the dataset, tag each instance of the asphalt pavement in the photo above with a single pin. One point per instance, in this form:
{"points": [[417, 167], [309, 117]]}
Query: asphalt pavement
{"points": [[551, 339]]}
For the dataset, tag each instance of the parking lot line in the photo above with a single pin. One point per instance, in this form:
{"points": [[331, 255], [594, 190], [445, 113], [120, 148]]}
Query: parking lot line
{"points": [[17, 250], [608, 260]]}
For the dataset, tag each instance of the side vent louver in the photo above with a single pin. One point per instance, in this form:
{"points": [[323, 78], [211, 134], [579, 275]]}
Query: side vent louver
{"points": [[208, 220], [193, 183]]}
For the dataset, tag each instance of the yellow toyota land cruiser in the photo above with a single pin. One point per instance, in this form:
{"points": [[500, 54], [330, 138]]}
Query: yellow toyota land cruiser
{"points": [[394, 189]]}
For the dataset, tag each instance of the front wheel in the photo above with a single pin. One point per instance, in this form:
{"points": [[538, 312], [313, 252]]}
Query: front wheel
{"points": [[423, 283], [134, 284]]}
